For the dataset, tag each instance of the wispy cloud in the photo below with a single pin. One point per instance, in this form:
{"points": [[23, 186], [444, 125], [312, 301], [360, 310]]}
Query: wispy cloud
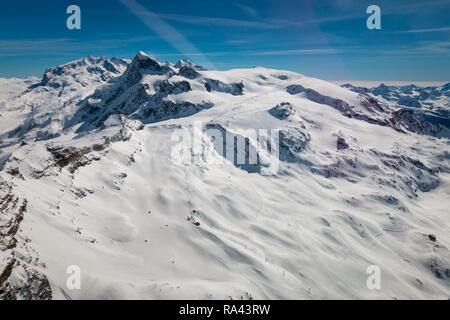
{"points": [[266, 24], [238, 41], [437, 48], [29, 47], [282, 23], [249, 11], [261, 53], [411, 8], [224, 22], [62, 46], [434, 47], [292, 52], [424, 30], [29, 44], [164, 30], [193, 54], [349, 14]]}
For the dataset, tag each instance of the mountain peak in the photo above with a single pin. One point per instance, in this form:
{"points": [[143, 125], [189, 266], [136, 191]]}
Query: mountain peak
{"points": [[144, 64], [143, 60], [142, 55], [76, 70], [184, 63], [189, 64]]}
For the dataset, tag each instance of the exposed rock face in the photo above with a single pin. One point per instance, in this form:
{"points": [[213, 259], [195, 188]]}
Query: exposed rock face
{"points": [[165, 88], [144, 64], [315, 96], [282, 111], [280, 76], [140, 103], [416, 123], [361, 90], [370, 103], [189, 64], [236, 89], [188, 72], [159, 109], [19, 278], [427, 103], [341, 143], [373, 112], [135, 96], [292, 142]]}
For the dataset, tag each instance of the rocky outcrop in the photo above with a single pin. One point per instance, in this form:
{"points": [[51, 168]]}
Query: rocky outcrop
{"points": [[19, 275], [235, 89], [371, 111], [164, 88], [427, 103], [186, 63], [341, 143], [293, 141], [188, 72], [282, 111], [144, 64]]}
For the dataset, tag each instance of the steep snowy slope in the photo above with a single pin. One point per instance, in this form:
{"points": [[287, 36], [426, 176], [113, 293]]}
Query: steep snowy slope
{"points": [[133, 186]]}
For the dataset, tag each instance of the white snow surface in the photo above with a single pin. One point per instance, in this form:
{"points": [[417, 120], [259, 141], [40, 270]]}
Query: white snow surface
{"points": [[141, 226]]}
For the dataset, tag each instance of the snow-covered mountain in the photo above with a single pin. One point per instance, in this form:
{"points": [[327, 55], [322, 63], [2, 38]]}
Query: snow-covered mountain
{"points": [[90, 178], [433, 103]]}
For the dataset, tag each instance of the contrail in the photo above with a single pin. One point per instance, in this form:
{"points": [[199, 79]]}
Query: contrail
{"points": [[167, 32]]}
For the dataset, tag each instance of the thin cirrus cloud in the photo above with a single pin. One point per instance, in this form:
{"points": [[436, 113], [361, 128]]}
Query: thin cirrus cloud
{"points": [[266, 24], [249, 11], [424, 30], [273, 23], [434, 47], [293, 52], [26, 47], [262, 53], [224, 22], [62, 46], [412, 8], [263, 25], [238, 41], [164, 30], [27, 44], [420, 48]]}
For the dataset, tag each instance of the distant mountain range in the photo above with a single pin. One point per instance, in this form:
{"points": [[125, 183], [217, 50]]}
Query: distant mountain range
{"points": [[432, 102]]}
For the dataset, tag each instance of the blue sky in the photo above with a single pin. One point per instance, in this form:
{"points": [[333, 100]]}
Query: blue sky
{"points": [[324, 39]]}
